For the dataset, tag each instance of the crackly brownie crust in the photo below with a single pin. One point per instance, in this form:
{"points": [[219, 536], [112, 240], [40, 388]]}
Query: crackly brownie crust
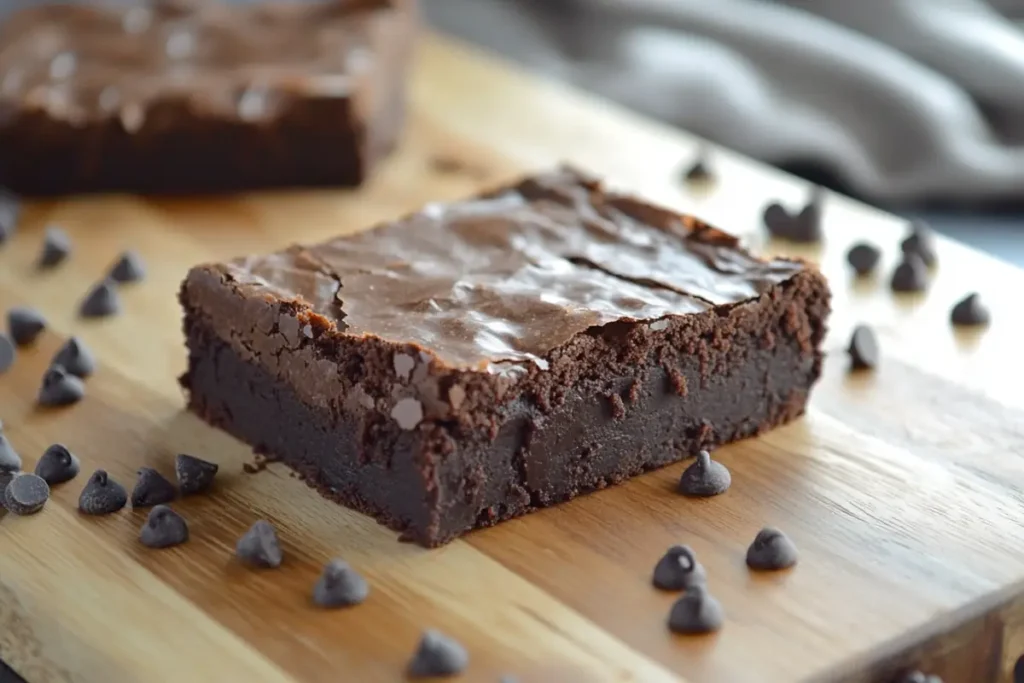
{"points": [[435, 441], [190, 98]]}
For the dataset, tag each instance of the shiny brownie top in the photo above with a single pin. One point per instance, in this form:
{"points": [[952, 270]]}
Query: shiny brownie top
{"points": [[513, 274], [91, 60]]}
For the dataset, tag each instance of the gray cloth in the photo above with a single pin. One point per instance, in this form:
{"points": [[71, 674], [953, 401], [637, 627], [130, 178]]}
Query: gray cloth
{"points": [[900, 100]]}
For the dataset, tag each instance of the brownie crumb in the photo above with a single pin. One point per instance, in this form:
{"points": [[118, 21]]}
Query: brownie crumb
{"points": [[57, 465], [102, 495], [696, 612], [25, 324], [164, 528], [450, 165], [56, 247], [195, 475], [152, 488], [863, 349], [704, 478], [970, 312], [339, 586], [678, 381], [635, 388], [771, 550], [258, 464], [438, 655], [60, 388], [618, 407], [259, 546], [76, 358], [678, 569]]}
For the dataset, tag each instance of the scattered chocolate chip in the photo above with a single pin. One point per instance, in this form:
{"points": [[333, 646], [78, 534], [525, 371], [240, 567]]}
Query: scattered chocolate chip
{"points": [[678, 570], [259, 546], [25, 324], [5, 479], [26, 494], [408, 413], [10, 210], [76, 358], [56, 247], [802, 227], [700, 170], [970, 311], [771, 550], [57, 465], [152, 488], [129, 268], [102, 495], [60, 388], [704, 478], [863, 348], [339, 586], [163, 528], [696, 612], [911, 275], [10, 461], [195, 475], [864, 257], [438, 655], [7, 353], [101, 301], [921, 242]]}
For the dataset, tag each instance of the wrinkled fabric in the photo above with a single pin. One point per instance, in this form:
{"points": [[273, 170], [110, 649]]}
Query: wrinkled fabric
{"points": [[899, 100]]}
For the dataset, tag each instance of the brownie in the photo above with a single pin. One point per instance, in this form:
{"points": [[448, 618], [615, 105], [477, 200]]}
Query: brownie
{"points": [[478, 360], [191, 97]]}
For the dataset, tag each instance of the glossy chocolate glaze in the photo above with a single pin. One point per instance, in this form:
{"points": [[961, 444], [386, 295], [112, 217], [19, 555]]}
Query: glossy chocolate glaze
{"points": [[515, 274], [86, 62]]}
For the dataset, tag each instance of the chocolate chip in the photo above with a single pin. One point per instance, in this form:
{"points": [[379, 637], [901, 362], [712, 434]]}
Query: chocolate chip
{"points": [[76, 358], [57, 465], [25, 324], [60, 388], [700, 170], [5, 479], [7, 353], [921, 242], [802, 227], [195, 475], [864, 257], [259, 546], [163, 528], [10, 210], [102, 495], [437, 655], [678, 570], [696, 612], [863, 348], [101, 301], [26, 494], [408, 413], [778, 220], [771, 550], [704, 478], [152, 488], [56, 247], [911, 275], [970, 311], [10, 461], [339, 586], [129, 268]]}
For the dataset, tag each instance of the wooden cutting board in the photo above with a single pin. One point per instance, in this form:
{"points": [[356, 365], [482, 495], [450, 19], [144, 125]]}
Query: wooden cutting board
{"points": [[902, 488]]}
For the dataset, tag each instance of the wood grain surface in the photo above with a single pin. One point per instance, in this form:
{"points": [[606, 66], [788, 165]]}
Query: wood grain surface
{"points": [[901, 487]]}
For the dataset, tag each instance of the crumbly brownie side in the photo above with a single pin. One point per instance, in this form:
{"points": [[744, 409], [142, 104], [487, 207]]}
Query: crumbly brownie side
{"points": [[618, 400]]}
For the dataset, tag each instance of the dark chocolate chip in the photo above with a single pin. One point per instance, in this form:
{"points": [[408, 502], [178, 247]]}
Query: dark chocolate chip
{"points": [[56, 247], [704, 478], [777, 220], [195, 475], [57, 465], [911, 275], [5, 479], [10, 461], [259, 546], [163, 528], [678, 570], [863, 348], [152, 488], [696, 612], [76, 358], [101, 301], [339, 586], [10, 210], [7, 353], [921, 242], [102, 495], [437, 655], [26, 494], [25, 324], [129, 268], [60, 388], [970, 311], [864, 257], [802, 227], [700, 170], [807, 226], [771, 550]]}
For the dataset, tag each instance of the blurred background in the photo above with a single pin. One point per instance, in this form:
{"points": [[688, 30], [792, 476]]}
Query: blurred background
{"points": [[913, 105]]}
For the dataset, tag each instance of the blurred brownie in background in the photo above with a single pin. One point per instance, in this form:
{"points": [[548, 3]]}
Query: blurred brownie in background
{"points": [[200, 97]]}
